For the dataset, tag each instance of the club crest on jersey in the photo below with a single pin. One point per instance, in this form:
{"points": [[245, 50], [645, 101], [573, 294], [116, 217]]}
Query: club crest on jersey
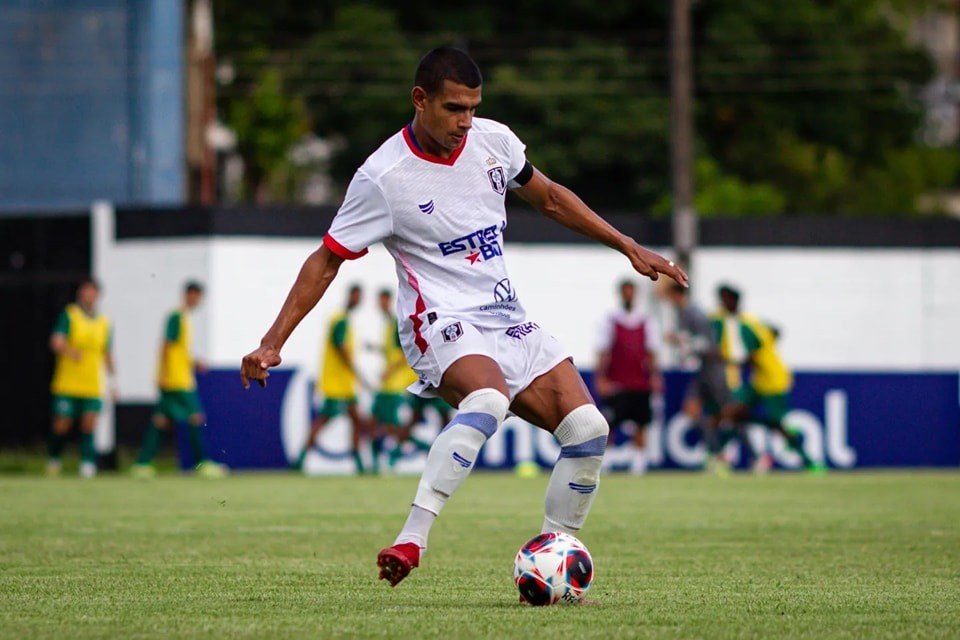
{"points": [[426, 207], [498, 180], [452, 332]]}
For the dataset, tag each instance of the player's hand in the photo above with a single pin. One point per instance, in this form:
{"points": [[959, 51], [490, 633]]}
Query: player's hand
{"points": [[255, 364], [652, 264], [605, 388]]}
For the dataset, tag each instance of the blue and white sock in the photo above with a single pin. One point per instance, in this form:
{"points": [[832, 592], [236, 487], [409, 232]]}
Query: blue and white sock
{"points": [[451, 459], [582, 435]]}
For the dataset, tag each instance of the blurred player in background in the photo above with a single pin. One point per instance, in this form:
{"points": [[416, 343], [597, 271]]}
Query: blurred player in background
{"points": [[764, 397], [418, 415], [179, 401], [337, 382], [81, 342], [707, 392], [392, 396], [433, 194], [627, 370]]}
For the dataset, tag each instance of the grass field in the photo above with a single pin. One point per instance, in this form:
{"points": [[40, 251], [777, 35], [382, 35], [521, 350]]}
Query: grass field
{"points": [[677, 556]]}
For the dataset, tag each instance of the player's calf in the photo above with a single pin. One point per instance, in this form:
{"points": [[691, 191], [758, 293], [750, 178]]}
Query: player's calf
{"points": [[582, 435]]}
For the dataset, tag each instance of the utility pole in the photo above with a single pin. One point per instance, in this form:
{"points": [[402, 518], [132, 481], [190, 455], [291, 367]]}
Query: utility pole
{"points": [[201, 104], [681, 132]]}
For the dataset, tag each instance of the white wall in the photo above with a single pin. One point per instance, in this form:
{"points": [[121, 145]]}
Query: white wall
{"points": [[837, 308]]}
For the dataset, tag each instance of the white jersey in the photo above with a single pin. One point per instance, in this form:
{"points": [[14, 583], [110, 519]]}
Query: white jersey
{"points": [[442, 220]]}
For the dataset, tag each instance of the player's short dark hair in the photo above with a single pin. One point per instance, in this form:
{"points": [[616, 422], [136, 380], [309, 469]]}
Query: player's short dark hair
{"points": [[355, 288], [446, 63], [192, 286], [728, 290], [626, 282], [676, 287], [88, 282], [385, 292]]}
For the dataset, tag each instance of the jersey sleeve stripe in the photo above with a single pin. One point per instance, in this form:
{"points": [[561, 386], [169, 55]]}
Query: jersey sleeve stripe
{"points": [[340, 250], [419, 307]]}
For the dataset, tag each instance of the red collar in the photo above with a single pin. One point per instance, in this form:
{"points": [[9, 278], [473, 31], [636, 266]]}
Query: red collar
{"points": [[429, 157]]}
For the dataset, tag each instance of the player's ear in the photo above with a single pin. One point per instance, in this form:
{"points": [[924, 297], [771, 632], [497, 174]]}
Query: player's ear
{"points": [[419, 98]]}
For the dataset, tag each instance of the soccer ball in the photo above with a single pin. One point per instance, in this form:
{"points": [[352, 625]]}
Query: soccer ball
{"points": [[551, 568]]}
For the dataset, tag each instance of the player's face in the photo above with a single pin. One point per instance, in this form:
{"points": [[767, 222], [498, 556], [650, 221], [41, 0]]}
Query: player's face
{"points": [[728, 302], [626, 294], [385, 304], [87, 296], [354, 298], [447, 115], [193, 299]]}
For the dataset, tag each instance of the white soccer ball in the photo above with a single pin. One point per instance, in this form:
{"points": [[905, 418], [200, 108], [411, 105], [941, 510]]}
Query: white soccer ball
{"points": [[553, 568]]}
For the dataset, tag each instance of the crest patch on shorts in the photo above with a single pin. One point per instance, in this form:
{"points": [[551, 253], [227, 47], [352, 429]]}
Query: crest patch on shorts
{"points": [[452, 332]]}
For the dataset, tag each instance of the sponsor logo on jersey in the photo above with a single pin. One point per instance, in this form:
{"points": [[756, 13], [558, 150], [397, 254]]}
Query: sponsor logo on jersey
{"points": [[521, 330], [426, 207], [503, 291], [498, 180], [452, 332], [480, 245]]}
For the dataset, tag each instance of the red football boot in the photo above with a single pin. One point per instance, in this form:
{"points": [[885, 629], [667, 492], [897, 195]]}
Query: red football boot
{"points": [[398, 561]]}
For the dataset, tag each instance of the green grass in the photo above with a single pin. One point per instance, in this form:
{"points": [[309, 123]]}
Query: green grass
{"points": [[677, 556]]}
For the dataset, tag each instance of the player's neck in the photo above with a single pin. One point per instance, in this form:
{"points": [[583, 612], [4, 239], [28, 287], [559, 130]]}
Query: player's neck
{"points": [[425, 142]]}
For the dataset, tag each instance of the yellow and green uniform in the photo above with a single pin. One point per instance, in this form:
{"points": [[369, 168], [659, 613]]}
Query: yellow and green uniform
{"points": [[744, 338], [337, 383], [393, 391], [77, 385], [175, 370]]}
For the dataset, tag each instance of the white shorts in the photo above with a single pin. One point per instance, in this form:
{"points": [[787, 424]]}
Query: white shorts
{"points": [[524, 352]]}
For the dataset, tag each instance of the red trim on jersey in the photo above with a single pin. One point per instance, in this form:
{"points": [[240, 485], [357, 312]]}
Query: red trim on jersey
{"points": [[429, 157], [341, 250], [419, 307]]}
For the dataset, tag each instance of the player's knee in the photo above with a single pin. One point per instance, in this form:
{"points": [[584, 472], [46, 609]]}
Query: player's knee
{"points": [[582, 433], [484, 410]]}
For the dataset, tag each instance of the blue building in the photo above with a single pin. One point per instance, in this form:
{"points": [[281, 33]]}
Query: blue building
{"points": [[91, 103]]}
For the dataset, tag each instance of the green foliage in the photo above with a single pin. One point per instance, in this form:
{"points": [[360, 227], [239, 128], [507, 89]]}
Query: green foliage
{"points": [[268, 123], [590, 119], [802, 107], [722, 195]]}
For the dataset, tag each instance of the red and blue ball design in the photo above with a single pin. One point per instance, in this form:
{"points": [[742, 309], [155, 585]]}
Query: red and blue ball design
{"points": [[553, 568]]}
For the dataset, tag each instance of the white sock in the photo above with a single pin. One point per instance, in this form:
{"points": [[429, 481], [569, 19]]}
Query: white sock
{"points": [[451, 458], [638, 461], [417, 527], [582, 435]]}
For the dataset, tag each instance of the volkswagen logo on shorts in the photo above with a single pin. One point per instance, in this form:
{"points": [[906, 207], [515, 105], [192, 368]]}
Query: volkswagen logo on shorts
{"points": [[503, 292]]}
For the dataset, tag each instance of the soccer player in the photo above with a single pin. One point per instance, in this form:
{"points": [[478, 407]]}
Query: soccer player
{"points": [[396, 377], [707, 392], [433, 195], [81, 342], [337, 381], [177, 383], [627, 371], [764, 397]]}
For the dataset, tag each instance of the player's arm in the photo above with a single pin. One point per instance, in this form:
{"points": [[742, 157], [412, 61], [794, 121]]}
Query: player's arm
{"points": [[315, 276], [58, 338], [563, 206], [338, 338], [601, 382], [654, 346]]}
